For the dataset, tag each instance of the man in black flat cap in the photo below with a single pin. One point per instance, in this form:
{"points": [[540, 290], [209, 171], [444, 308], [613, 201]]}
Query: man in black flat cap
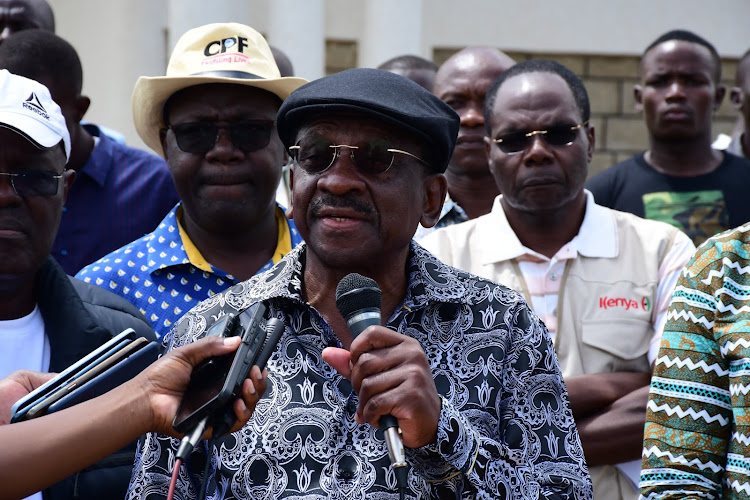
{"points": [[461, 363]]}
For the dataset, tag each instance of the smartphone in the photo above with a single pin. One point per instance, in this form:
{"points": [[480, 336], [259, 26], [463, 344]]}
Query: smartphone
{"points": [[102, 364], [112, 377], [23, 405], [214, 386]]}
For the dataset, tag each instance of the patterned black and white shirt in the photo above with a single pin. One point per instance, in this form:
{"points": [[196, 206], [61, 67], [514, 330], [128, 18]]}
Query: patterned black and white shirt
{"points": [[505, 429]]}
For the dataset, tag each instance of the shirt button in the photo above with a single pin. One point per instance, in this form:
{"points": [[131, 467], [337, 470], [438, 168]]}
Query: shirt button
{"points": [[63, 252], [553, 277], [65, 209]]}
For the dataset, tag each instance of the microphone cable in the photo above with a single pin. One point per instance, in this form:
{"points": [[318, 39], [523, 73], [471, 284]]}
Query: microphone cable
{"points": [[189, 440], [173, 481], [221, 426]]}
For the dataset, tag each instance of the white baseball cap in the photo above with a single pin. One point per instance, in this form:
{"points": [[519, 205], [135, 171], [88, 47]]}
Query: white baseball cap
{"points": [[27, 108]]}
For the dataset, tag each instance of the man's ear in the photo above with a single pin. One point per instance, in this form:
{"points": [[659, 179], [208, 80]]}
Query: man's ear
{"points": [[591, 135], [736, 97], [82, 106], [638, 96], [69, 176], [290, 210], [488, 145], [721, 91], [435, 187]]}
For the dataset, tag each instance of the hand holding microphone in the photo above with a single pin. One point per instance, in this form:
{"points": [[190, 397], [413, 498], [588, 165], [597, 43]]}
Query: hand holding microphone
{"points": [[389, 371], [359, 300]]}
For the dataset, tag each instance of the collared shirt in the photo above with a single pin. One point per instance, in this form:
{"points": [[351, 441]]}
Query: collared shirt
{"points": [[505, 429], [596, 238], [488, 245], [165, 275], [452, 213], [697, 435], [120, 194]]}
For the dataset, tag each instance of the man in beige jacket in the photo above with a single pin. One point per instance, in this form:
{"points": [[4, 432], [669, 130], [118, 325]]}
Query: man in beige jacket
{"points": [[600, 279]]}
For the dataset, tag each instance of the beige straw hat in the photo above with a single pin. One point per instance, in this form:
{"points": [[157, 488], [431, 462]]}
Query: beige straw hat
{"points": [[214, 53]]}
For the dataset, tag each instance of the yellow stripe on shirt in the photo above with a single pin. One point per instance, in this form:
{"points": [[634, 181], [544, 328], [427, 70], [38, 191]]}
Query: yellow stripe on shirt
{"points": [[283, 244]]}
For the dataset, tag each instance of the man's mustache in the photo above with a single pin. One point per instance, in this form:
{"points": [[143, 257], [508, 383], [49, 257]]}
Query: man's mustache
{"points": [[345, 201]]}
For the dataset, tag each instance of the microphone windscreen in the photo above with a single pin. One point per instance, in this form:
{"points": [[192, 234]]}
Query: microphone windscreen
{"points": [[356, 292]]}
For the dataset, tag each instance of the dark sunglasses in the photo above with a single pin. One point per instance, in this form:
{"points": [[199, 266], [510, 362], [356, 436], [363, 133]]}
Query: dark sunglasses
{"points": [[34, 182], [201, 137], [517, 142], [371, 158]]}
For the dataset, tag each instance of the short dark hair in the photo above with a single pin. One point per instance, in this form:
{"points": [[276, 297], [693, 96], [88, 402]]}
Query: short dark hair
{"points": [[43, 56], [574, 83], [689, 36], [408, 62]]}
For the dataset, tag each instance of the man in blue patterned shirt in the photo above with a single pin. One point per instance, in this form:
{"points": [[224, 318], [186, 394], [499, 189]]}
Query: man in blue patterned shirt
{"points": [[212, 118], [462, 363]]}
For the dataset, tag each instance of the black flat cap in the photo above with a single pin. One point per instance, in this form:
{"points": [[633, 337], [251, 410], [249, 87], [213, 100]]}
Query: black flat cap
{"points": [[380, 94]]}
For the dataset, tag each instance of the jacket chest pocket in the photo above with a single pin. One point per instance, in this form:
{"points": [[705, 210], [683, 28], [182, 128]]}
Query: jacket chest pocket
{"points": [[615, 345]]}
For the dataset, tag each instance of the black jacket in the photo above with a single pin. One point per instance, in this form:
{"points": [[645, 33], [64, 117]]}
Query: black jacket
{"points": [[78, 318]]}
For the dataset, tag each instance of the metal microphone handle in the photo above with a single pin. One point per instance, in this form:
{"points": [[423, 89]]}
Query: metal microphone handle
{"points": [[357, 323], [393, 440]]}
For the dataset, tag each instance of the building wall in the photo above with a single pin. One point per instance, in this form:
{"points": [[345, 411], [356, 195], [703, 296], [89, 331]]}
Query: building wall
{"points": [[120, 40], [609, 81]]}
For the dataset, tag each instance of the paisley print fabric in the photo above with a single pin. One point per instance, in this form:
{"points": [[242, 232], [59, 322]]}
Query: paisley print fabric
{"points": [[505, 430]]}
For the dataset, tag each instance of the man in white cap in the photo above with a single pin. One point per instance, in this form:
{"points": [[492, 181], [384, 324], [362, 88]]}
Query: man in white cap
{"points": [[120, 192], [213, 119], [47, 319]]}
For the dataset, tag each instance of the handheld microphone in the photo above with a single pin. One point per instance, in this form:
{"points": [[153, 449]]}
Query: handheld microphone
{"points": [[359, 299]]}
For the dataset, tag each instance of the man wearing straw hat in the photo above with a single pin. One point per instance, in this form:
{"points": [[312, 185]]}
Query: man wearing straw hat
{"points": [[212, 117]]}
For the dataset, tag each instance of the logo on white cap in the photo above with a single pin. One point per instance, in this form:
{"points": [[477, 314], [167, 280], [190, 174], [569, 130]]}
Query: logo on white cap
{"points": [[33, 104]]}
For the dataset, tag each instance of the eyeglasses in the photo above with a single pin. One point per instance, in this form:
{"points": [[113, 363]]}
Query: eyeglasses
{"points": [[371, 158], [201, 137], [34, 182], [517, 142]]}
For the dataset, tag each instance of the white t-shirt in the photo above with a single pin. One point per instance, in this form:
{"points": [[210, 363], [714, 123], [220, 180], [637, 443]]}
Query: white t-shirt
{"points": [[24, 345]]}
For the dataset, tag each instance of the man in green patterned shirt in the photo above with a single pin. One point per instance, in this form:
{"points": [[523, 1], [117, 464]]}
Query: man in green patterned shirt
{"points": [[697, 436]]}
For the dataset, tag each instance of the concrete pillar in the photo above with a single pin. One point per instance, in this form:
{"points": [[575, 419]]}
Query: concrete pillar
{"points": [[183, 15], [297, 27], [392, 28], [117, 42]]}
